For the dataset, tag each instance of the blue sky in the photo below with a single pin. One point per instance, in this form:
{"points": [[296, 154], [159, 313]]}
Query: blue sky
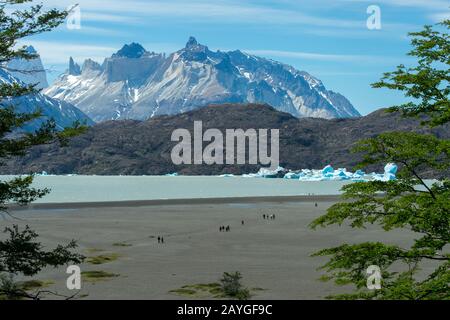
{"points": [[327, 38]]}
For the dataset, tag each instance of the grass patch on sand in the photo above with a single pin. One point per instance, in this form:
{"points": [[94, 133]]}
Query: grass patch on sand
{"points": [[122, 244], [94, 250], [29, 285], [199, 290], [103, 258], [34, 284], [184, 292], [229, 287], [94, 276], [204, 290]]}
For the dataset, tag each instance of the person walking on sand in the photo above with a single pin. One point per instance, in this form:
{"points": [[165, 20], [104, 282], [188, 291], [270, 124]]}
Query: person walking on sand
{"points": [[159, 239], [242, 222], [162, 240], [316, 204]]}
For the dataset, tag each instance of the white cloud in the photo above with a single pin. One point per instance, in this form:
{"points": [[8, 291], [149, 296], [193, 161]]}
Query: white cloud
{"points": [[439, 17], [324, 57], [105, 17], [97, 31], [424, 4], [200, 10], [59, 52]]}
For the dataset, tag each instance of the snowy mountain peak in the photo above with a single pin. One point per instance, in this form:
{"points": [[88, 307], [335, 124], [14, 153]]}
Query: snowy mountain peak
{"points": [[63, 113], [136, 84], [31, 50], [133, 51], [192, 42], [29, 71], [194, 51], [90, 64], [74, 68]]}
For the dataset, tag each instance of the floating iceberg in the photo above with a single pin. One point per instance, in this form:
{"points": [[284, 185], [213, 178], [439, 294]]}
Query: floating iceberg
{"points": [[293, 175], [43, 174], [279, 172], [327, 170], [172, 174], [267, 173], [326, 174], [390, 170]]}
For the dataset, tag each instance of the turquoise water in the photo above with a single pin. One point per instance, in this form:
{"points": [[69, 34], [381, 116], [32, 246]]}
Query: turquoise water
{"points": [[121, 188]]}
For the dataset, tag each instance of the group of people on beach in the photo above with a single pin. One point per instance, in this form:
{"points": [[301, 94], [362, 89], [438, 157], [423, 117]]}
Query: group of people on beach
{"points": [[269, 217], [228, 228]]}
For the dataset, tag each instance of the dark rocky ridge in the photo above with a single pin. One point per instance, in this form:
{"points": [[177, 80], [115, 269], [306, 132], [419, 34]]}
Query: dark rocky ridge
{"points": [[132, 147]]}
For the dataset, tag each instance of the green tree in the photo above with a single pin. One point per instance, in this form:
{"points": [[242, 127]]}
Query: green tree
{"points": [[427, 82], [408, 202], [232, 286], [20, 253]]}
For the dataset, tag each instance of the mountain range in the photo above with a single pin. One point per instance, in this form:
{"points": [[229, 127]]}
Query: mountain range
{"points": [[133, 147], [137, 84], [32, 72]]}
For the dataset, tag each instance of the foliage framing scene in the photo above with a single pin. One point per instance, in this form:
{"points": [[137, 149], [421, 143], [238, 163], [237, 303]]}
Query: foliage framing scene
{"points": [[88, 182]]}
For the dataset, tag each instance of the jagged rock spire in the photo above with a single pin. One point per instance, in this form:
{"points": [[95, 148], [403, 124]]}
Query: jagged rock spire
{"points": [[74, 69], [132, 50], [192, 42]]}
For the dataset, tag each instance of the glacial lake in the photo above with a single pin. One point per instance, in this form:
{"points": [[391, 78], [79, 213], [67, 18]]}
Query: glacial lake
{"points": [[128, 188]]}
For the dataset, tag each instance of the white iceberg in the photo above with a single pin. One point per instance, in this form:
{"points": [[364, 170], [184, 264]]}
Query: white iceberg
{"points": [[226, 175], [293, 175], [327, 170], [390, 171], [328, 173], [391, 168], [172, 174], [266, 173]]}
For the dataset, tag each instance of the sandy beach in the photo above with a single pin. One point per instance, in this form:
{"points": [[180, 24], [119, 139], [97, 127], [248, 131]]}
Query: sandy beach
{"points": [[272, 255]]}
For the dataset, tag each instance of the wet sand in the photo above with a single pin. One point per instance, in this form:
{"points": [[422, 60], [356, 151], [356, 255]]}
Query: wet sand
{"points": [[271, 254]]}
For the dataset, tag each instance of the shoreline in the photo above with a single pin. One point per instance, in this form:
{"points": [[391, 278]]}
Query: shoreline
{"points": [[170, 202]]}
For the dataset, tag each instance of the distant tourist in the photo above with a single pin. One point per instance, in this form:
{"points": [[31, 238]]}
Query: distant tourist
{"points": [[162, 240], [316, 204], [242, 222], [159, 239]]}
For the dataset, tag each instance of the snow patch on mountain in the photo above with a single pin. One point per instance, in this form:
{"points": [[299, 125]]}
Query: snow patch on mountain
{"points": [[63, 113], [136, 84], [29, 71]]}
